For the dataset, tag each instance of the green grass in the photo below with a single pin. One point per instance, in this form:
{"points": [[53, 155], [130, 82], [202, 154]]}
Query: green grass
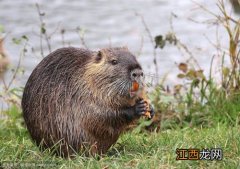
{"points": [[133, 150]]}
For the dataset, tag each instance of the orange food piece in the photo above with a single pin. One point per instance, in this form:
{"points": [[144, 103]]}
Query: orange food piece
{"points": [[147, 114], [135, 86]]}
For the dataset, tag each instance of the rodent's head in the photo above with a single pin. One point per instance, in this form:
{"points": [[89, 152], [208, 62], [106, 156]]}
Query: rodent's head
{"points": [[112, 73]]}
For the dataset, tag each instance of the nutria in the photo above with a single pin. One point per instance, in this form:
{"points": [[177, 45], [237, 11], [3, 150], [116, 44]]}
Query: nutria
{"points": [[81, 100]]}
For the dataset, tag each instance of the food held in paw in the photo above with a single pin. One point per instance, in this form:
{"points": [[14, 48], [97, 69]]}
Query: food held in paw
{"points": [[147, 114]]}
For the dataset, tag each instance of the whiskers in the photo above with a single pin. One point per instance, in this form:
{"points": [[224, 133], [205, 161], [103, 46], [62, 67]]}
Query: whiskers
{"points": [[124, 87], [151, 79], [121, 87]]}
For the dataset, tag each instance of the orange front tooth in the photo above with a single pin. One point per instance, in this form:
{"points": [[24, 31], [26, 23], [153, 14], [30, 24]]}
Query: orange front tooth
{"points": [[135, 86]]}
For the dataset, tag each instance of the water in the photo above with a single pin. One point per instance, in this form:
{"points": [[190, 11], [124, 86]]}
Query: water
{"points": [[113, 23]]}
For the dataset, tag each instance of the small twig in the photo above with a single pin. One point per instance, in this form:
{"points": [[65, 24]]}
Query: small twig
{"points": [[141, 46], [18, 67], [221, 7], [181, 45], [222, 64], [41, 30], [40, 35], [63, 38], [233, 72], [55, 30], [146, 28], [212, 43], [80, 33], [191, 56], [152, 41], [211, 66]]}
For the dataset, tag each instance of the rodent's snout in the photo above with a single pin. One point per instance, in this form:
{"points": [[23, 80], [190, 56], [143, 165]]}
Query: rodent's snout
{"points": [[136, 82], [136, 75]]}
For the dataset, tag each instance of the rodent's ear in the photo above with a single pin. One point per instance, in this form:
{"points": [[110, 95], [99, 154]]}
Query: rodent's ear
{"points": [[99, 56]]}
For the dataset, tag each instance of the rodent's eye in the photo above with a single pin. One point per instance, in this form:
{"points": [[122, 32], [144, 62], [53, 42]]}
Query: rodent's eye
{"points": [[114, 62]]}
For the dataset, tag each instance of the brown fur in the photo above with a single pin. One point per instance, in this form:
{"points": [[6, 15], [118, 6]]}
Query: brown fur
{"points": [[78, 99]]}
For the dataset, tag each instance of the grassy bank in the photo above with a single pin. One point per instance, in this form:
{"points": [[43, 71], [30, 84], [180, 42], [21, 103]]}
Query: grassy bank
{"points": [[133, 150]]}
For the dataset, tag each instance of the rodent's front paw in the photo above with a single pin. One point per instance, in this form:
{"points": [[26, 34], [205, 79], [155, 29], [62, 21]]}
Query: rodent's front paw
{"points": [[140, 107], [143, 108]]}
